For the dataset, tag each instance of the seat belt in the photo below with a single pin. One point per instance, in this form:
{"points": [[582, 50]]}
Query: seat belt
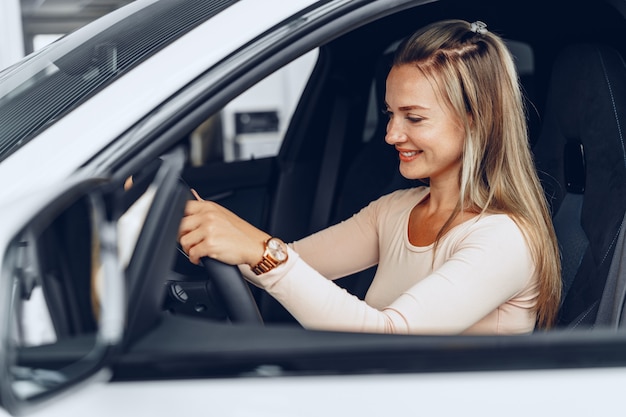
{"points": [[333, 151], [571, 237], [612, 304]]}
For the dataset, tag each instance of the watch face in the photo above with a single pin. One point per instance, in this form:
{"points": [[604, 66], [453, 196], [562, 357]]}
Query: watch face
{"points": [[277, 249]]}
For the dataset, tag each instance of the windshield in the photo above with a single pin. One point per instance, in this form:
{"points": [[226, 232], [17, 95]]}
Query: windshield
{"points": [[42, 88]]}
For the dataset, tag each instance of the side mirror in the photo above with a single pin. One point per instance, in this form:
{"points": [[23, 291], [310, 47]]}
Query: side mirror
{"points": [[62, 300]]}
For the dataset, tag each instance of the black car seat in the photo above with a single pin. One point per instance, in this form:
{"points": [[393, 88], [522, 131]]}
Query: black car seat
{"points": [[581, 159], [372, 174]]}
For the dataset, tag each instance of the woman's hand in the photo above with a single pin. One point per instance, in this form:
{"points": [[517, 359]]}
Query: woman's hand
{"points": [[208, 229]]}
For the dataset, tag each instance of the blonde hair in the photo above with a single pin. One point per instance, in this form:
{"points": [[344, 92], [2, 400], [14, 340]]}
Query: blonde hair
{"points": [[474, 73]]}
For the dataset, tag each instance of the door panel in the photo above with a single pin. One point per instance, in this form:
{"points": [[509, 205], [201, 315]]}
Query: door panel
{"points": [[243, 187]]}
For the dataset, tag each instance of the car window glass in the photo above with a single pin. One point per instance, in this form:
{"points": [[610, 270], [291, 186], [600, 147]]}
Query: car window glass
{"points": [[253, 125]]}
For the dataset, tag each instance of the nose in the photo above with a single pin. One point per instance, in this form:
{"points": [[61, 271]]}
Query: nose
{"points": [[394, 133]]}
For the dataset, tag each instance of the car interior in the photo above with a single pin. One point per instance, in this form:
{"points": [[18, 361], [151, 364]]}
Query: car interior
{"points": [[580, 155], [333, 160]]}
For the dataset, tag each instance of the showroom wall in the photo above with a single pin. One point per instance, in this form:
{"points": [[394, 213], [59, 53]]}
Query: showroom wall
{"points": [[28, 25], [11, 35]]}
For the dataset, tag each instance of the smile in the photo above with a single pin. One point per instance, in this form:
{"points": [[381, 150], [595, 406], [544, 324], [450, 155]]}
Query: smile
{"points": [[408, 155]]}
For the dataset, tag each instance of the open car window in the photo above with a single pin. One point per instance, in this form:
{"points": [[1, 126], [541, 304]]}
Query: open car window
{"points": [[253, 125]]}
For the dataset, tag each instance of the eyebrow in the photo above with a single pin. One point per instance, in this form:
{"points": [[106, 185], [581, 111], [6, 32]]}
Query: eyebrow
{"points": [[414, 107], [408, 108]]}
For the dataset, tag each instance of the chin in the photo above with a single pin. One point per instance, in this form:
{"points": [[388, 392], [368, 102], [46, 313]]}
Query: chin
{"points": [[412, 175]]}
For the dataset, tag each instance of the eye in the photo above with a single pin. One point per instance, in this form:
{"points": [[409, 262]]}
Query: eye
{"points": [[387, 112], [414, 119]]}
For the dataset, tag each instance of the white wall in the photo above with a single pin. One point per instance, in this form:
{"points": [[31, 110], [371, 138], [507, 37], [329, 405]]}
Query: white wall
{"points": [[11, 36], [278, 92]]}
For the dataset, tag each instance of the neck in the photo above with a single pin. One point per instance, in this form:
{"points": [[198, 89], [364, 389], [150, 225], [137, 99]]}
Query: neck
{"points": [[443, 197]]}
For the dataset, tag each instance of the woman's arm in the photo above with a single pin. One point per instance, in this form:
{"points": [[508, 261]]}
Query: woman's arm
{"points": [[487, 268], [342, 249], [209, 229]]}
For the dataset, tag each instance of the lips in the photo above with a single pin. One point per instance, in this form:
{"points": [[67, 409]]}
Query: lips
{"points": [[408, 155]]}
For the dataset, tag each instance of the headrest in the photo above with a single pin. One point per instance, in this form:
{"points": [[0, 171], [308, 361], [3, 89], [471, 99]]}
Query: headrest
{"points": [[585, 125], [587, 81]]}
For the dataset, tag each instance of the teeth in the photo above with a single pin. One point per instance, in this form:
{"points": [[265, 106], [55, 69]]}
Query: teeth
{"points": [[407, 154]]}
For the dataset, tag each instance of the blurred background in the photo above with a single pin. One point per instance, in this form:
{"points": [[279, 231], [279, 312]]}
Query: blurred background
{"points": [[28, 25]]}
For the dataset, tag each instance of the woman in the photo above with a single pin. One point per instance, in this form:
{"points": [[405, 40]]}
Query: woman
{"points": [[473, 252]]}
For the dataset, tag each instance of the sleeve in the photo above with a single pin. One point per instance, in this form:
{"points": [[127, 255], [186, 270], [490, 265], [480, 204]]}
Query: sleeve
{"points": [[345, 248], [487, 268], [490, 266]]}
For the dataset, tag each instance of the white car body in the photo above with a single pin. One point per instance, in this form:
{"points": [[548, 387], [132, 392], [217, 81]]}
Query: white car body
{"points": [[33, 176], [517, 394]]}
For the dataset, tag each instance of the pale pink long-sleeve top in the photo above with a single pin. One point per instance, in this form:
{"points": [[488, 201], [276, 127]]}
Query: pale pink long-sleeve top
{"points": [[482, 279]]}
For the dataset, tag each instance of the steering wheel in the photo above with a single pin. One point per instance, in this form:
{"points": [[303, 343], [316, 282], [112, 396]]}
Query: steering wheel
{"points": [[234, 291]]}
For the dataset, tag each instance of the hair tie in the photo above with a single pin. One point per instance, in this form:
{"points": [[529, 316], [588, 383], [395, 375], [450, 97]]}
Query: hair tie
{"points": [[479, 27]]}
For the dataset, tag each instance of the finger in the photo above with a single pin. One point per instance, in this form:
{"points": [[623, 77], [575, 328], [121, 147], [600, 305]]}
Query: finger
{"points": [[196, 195], [198, 220], [128, 183], [191, 240], [202, 248], [187, 224], [195, 206], [195, 254]]}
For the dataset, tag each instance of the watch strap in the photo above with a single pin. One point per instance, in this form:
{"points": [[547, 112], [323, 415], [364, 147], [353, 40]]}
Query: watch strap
{"points": [[264, 266], [270, 259]]}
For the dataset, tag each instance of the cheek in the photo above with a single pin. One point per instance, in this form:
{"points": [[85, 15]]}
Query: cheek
{"points": [[456, 150], [457, 139], [450, 146], [460, 144]]}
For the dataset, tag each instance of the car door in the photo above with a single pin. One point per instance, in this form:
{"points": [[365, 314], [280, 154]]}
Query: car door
{"points": [[62, 291]]}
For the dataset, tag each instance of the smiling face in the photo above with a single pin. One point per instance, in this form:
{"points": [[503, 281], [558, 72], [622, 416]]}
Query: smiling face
{"points": [[427, 135]]}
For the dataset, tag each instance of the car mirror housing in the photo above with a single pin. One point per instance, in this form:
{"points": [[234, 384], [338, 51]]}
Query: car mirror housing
{"points": [[62, 290]]}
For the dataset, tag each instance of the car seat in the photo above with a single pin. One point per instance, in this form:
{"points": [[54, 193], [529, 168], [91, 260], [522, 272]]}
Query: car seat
{"points": [[581, 159], [373, 173]]}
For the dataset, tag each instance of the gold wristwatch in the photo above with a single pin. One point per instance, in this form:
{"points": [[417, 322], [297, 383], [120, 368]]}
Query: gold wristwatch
{"points": [[274, 255]]}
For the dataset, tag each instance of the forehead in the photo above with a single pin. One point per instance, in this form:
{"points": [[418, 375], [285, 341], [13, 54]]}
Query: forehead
{"points": [[407, 85]]}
